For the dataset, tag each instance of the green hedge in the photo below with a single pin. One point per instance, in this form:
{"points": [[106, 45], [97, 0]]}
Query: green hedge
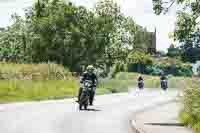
{"points": [[174, 70], [167, 65]]}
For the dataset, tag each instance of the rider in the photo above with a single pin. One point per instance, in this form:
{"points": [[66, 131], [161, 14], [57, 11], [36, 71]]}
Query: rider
{"points": [[163, 79], [88, 75], [140, 80]]}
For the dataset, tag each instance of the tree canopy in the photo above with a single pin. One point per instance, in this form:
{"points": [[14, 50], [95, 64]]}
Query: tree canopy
{"points": [[187, 25], [61, 32]]}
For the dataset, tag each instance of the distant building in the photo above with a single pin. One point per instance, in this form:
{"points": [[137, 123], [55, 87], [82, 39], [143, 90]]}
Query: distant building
{"points": [[152, 43]]}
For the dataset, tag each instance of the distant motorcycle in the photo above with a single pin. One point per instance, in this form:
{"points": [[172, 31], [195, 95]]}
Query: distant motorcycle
{"points": [[141, 84], [163, 84], [85, 95]]}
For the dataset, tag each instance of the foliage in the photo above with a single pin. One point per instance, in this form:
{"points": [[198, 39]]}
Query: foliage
{"points": [[187, 25], [66, 34], [173, 66], [139, 57], [167, 65], [118, 67], [191, 47], [153, 70]]}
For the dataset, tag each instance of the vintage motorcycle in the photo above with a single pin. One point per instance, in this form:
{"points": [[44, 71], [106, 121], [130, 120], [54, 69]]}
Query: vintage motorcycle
{"points": [[85, 95]]}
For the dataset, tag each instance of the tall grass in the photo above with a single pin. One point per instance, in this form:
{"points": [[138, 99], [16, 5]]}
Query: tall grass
{"points": [[11, 71], [26, 90], [26, 82], [190, 115]]}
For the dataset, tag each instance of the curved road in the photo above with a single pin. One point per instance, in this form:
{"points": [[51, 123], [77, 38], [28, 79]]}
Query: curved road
{"points": [[110, 114]]}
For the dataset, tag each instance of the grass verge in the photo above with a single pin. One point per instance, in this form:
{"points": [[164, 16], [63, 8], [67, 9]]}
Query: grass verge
{"points": [[190, 115]]}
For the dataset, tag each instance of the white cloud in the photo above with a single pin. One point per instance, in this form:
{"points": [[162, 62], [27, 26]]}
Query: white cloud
{"points": [[140, 10]]}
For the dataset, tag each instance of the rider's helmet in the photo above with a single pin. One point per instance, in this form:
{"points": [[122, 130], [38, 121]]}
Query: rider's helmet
{"points": [[90, 68]]}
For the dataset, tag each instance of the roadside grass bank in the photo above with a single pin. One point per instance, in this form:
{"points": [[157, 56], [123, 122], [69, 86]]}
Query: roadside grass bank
{"points": [[35, 82], [30, 90], [190, 114]]}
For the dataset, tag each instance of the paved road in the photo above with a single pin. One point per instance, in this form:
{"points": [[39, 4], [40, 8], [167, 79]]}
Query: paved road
{"points": [[161, 119], [111, 113]]}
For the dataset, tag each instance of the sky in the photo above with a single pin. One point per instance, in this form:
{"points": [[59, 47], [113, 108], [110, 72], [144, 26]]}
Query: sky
{"points": [[140, 10]]}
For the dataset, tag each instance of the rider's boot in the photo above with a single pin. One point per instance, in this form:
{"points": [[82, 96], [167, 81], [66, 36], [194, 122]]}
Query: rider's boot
{"points": [[92, 93]]}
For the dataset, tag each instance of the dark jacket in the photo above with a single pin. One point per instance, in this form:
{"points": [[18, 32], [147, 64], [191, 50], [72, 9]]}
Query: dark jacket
{"points": [[88, 76]]}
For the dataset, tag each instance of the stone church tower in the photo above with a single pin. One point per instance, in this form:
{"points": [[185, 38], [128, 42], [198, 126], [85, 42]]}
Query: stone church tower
{"points": [[152, 42]]}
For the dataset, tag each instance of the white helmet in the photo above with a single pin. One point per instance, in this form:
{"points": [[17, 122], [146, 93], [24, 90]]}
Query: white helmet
{"points": [[90, 67]]}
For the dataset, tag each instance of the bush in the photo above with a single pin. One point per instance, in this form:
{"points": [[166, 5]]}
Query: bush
{"points": [[139, 57], [118, 67], [153, 70], [175, 70]]}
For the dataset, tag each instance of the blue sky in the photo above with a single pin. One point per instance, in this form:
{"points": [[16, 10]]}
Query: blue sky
{"points": [[140, 10]]}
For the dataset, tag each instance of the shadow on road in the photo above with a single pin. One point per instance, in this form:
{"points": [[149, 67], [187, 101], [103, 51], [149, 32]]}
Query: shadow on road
{"points": [[166, 124], [92, 110]]}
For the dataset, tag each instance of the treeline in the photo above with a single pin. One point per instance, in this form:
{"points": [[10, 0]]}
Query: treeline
{"points": [[74, 36]]}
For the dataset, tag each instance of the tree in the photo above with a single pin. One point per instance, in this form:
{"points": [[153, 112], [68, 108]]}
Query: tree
{"points": [[13, 41], [60, 32], [187, 18], [187, 26], [120, 32], [191, 47], [139, 59], [173, 52]]}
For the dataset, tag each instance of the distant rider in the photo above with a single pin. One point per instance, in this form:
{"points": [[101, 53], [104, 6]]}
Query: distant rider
{"points": [[140, 82], [163, 82], [88, 75]]}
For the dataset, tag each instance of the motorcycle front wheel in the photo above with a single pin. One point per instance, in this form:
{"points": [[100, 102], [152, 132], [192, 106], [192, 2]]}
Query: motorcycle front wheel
{"points": [[83, 101], [80, 106]]}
